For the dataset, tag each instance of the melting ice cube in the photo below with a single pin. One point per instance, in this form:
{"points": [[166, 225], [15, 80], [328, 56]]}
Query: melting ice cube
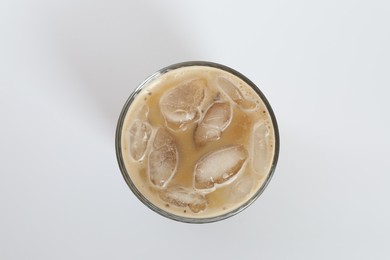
{"points": [[139, 135], [163, 159], [219, 166], [216, 119], [180, 106], [163, 138], [260, 148], [183, 197], [241, 188], [235, 94]]}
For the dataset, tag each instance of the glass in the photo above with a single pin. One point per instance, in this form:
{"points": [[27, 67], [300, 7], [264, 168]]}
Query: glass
{"points": [[127, 177]]}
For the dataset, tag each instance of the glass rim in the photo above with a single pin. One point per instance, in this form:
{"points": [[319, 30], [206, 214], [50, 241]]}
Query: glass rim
{"points": [[126, 175]]}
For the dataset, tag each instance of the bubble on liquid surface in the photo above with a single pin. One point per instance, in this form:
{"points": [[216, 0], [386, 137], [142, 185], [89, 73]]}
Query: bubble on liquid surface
{"points": [[183, 197], [216, 119], [230, 89], [219, 167], [260, 148], [163, 159], [180, 106]]}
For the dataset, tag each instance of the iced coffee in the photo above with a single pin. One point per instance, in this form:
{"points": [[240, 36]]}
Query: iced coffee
{"points": [[197, 141]]}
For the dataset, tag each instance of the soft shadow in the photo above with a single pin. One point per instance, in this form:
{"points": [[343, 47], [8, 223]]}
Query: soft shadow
{"points": [[112, 46]]}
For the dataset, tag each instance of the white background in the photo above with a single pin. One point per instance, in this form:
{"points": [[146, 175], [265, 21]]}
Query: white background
{"points": [[67, 67]]}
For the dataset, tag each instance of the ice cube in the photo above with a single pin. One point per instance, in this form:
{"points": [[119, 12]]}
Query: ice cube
{"points": [[162, 138], [162, 165], [139, 135], [216, 119], [180, 106], [235, 94], [219, 167], [163, 159], [260, 148], [142, 112], [183, 197], [241, 188]]}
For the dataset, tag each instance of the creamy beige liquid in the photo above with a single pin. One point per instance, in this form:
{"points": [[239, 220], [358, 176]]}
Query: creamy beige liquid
{"points": [[223, 197]]}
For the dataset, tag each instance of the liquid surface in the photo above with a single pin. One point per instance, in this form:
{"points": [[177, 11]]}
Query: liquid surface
{"points": [[198, 142]]}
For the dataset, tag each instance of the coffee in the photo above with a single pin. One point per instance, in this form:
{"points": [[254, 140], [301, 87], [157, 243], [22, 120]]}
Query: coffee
{"points": [[197, 142]]}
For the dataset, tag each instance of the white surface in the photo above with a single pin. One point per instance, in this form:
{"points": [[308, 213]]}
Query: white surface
{"points": [[67, 67]]}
